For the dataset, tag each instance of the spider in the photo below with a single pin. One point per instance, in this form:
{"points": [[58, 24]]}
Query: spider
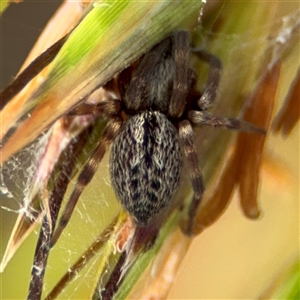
{"points": [[161, 104]]}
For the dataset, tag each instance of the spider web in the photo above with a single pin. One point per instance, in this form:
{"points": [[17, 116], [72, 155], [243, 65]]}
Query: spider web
{"points": [[94, 210], [92, 214]]}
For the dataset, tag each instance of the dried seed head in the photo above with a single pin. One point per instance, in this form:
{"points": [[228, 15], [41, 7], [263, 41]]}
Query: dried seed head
{"points": [[145, 165]]}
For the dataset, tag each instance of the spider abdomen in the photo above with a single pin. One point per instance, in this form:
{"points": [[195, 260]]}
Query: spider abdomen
{"points": [[145, 165]]}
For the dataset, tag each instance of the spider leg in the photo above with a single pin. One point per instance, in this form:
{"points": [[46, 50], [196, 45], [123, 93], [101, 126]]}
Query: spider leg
{"points": [[181, 80], [186, 137], [213, 80], [107, 107], [204, 118], [87, 173], [55, 199]]}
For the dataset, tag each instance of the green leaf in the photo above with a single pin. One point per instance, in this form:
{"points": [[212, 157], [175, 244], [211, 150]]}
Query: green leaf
{"points": [[3, 5], [110, 37]]}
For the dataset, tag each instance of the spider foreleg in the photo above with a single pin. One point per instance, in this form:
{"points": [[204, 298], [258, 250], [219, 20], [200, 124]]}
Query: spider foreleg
{"points": [[186, 137], [87, 173], [213, 80], [106, 107], [204, 118]]}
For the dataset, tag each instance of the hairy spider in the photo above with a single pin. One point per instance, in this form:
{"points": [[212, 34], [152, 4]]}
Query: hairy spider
{"points": [[158, 96]]}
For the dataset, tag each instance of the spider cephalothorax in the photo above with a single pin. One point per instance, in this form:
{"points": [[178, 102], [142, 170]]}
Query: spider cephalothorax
{"points": [[158, 95]]}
